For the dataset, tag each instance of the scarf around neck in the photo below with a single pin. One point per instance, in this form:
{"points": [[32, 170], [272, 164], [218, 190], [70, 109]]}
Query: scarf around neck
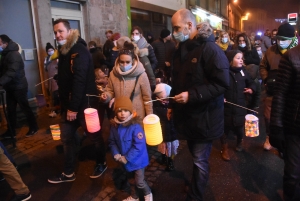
{"points": [[223, 46], [294, 43]]}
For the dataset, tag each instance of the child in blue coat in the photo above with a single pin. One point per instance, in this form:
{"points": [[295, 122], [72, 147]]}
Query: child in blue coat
{"points": [[128, 145]]}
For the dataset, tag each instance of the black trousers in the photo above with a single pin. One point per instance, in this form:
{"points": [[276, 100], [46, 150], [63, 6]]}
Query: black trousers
{"points": [[68, 138], [291, 177], [19, 97]]}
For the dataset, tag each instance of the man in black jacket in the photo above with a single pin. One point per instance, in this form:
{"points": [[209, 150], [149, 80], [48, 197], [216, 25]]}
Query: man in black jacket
{"points": [[285, 121], [200, 78], [75, 79], [13, 80]]}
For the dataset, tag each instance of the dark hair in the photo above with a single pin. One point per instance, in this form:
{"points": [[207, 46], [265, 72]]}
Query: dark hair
{"points": [[274, 30], [64, 21], [109, 31], [92, 43], [137, 28], [247, 41], [5, 38], [128, 49]]}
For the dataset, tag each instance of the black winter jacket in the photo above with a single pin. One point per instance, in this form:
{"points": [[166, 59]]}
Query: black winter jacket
{"points": [[76, 76], [201, 68], [233, 115], [163, 52], [285, 110], [12, 74], [250, 56]]}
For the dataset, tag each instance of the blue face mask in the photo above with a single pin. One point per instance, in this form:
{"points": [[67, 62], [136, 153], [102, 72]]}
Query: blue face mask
{"points": [[125, 68], [1, 49], [180, 37]]}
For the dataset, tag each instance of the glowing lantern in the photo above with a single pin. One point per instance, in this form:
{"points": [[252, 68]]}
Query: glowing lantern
{"points": [[251, 126], [153, 130], [92, 120], [55, 131]]}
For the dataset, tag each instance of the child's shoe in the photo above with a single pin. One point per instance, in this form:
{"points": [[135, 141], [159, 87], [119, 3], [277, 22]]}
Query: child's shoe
{"points": [[131, 199], [52, 114], [239, 146], [170, 165], [148, 197]]}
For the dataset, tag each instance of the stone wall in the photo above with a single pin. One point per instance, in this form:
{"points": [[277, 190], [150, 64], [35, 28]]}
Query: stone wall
{"points": [[103, 15]]}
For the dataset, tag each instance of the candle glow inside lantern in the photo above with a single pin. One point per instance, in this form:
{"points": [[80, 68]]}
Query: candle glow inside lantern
{"points": [[92, 120], [251, 126], [153, 130], [55, 131]]}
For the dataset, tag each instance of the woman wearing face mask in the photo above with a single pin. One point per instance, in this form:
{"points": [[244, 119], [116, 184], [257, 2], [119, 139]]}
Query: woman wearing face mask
{"points": [[50, 65], [250, 54], [225, 43], [128, 78], [138, 38]]}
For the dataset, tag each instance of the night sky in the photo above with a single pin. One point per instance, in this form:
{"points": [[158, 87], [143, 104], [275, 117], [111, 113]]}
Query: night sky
{"points": [[274, 8]]}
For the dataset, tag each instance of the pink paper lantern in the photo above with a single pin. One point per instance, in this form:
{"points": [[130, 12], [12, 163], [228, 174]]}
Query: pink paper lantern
{"points": [[92, 120]]}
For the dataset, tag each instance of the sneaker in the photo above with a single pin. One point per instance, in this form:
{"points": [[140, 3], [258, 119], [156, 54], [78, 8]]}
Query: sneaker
{"points": [[62, 178], [31, 132], [131, 199], [52, 114], [22, 197], [99, 169], [267, 145], [148, 197]]}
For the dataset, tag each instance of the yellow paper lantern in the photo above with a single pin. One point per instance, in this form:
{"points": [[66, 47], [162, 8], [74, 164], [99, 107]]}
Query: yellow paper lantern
{"points": [[92, 120], [55, 131], [153, 130]]}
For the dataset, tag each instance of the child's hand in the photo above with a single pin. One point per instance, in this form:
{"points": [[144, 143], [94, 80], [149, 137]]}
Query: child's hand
{"points": [[103, 97], [248, 90], [117, 157], [123, 160]]}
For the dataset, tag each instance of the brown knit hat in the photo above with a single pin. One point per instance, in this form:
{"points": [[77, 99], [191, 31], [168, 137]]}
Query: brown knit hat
{"points": [[123, 103]]}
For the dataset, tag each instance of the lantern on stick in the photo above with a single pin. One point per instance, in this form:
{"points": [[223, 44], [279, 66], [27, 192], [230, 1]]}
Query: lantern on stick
{"points": [[251, 126], [55, 131], [92, 120], [153, 130]]}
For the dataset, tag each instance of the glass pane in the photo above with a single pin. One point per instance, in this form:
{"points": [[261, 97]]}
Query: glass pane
{"points": [[65, 5], [75, 24]]}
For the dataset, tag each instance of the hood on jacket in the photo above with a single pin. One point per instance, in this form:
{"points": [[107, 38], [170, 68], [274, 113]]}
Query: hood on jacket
{"points": [[11, 46], [137, 69], [72, 39]]}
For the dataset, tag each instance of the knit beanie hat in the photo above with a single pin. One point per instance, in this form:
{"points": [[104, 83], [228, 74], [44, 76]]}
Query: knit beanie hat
{"points": [[164, 33], [120, 43], [231, 54], [123, 103], [285, 31], [162, 90], [49, 46]]}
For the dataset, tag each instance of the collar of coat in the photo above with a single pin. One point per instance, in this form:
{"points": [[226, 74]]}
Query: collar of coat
{"points": [[133, 120], [71, 41]]}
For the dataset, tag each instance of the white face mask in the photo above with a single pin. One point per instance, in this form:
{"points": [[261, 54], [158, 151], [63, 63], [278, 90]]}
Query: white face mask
{"points": [[284, 43], [224, 40], [242, 45], [180, 37], [259, 52], [62, 42], [125, 68], [136, 38], [51, 52]]}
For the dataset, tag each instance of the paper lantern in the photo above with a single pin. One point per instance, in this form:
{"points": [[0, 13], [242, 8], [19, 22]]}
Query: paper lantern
{"points": [[152, 129], [92, 120], [251, 126], [55, 131]]}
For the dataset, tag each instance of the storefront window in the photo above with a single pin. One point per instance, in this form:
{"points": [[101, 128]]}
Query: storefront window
{"points": [[65, 5], [140, 15]]}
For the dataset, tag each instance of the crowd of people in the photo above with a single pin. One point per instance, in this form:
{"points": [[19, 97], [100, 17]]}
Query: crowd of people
{"points": [[200, 73]]}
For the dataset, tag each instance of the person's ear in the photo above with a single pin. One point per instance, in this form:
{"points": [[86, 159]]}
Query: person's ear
{"points": [[190, 25]]}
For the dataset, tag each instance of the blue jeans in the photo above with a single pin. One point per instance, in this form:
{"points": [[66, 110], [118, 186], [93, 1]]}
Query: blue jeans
{"points": [[291, 177], [200, 153]]}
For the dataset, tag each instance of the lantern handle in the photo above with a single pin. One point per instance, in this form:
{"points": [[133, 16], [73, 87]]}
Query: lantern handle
{"points": [[157, 99], [241, 107]]}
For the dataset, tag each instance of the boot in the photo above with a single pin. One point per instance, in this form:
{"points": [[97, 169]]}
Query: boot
{"points": [[239, 146], [224, 152], [164, 160], [267, 145], [170, 164]]}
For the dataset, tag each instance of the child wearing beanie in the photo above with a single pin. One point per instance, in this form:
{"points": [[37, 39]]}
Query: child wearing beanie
{"points": [[234, 117], [128, 146]]}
